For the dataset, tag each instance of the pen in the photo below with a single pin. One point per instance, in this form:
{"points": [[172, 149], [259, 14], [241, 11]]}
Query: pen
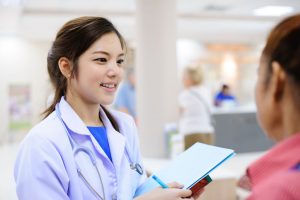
{"points": [[162, 184]]}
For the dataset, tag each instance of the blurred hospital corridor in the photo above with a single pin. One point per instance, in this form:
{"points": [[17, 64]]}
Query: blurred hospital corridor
{"points": [[183, 71]]}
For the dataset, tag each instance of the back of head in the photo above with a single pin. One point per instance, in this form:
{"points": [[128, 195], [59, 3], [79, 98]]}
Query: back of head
{"points": [[283, 46], [224, 87], [195, 73]]}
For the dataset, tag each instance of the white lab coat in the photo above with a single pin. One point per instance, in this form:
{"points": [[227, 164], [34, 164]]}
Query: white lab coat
{"points": [[45, 168], [197, 107]]}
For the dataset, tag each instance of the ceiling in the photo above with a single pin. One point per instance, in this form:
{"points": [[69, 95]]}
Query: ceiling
{"points": [[218, 21]]}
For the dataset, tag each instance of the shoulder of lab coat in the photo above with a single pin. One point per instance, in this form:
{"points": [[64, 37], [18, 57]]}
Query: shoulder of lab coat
{"points": [[45, 163], [40, 164]]}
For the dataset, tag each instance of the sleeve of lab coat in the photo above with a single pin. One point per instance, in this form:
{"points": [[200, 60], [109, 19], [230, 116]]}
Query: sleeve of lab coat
{"points": [[39, 171]]}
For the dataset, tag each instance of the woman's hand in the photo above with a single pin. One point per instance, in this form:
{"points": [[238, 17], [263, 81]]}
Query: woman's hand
{"points": [[245, 182], [197, 195], [174, 192]]}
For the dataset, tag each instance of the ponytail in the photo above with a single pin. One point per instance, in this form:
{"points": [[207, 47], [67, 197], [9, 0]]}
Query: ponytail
{"points": [[111, 119]]}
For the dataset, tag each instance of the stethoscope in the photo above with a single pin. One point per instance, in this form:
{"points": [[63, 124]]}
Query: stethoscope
{"points": [[78, 148]]}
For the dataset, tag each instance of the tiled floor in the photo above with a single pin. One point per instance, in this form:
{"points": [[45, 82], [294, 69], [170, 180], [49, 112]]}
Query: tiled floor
{"points": [[235, 167]]}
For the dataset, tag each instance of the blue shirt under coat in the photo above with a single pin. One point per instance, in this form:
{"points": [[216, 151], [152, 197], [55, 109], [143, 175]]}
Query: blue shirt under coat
{"points": [[100, 134]]}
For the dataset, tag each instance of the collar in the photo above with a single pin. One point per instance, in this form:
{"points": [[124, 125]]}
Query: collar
{"points": [[283, 156], [74, 123], [71, 119]]}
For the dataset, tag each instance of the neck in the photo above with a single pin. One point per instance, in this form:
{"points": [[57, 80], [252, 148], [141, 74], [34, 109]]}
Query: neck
{"points": [[291, 124], [88, 112], [290, 121]]}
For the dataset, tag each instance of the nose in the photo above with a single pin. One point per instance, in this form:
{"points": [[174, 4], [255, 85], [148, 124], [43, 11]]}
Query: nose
{"points": [[113, 69]]}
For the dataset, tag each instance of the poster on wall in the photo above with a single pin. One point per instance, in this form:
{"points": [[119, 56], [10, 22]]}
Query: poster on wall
{"points": [[20, 111]]}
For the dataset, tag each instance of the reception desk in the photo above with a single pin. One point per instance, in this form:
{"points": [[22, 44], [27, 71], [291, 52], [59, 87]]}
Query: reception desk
{"points": [[238, 129]]}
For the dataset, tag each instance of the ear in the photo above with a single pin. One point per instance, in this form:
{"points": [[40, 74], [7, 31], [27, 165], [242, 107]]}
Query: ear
{"points": [[65, 67], [278, 81]]}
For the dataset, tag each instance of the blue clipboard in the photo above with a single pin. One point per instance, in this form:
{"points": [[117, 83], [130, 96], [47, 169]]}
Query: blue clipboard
{"points": [[189, 167]]}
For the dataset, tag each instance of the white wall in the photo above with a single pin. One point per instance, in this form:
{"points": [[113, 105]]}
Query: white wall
{"points": [[22, 62]]}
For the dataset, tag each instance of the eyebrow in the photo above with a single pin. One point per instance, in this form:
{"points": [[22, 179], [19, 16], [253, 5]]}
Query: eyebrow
{"points": [[106, 53]]}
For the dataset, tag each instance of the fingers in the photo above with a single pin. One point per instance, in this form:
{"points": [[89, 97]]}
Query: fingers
{"points": [[245, 183], [186, 194], [189, 198], [180, 193], [175, 185], [198, 193]]}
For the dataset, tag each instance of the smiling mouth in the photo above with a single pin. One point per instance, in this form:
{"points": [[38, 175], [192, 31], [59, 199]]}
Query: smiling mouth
{"points": [[108, 85]]}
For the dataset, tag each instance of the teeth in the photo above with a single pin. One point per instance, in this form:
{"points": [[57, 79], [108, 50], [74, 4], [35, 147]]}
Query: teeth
{"points": [[107, 85]]}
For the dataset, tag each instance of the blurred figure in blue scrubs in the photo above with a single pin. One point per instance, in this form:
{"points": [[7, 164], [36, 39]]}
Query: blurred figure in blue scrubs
{"points": [[224, 98], [126, 97]]}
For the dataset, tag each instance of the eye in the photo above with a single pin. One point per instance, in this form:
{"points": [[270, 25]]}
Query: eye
{"points": [[120, 62], [101, 60]]}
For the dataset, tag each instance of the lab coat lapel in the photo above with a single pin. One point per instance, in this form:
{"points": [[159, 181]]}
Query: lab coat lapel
{"points": [[116, 141], [71, 119], [76, 125]]}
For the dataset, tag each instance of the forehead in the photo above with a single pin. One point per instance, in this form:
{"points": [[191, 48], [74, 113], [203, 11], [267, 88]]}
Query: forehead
{"points": [[108, 42]]}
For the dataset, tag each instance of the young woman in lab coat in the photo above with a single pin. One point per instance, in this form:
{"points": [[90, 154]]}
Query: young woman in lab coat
{"points": [[81, 150]]}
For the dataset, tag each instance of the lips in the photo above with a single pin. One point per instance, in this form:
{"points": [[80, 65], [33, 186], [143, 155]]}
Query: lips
{"points": [[108, 85]]}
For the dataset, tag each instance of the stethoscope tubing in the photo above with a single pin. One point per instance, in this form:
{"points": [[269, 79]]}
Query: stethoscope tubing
{"points": [[77, 148]]}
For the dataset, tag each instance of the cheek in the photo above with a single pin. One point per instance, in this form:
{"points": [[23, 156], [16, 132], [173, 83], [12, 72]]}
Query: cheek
{"points": [[186, 82], [85, 80], [259, 103], [90, 76], [121, 73], [263, 108]]}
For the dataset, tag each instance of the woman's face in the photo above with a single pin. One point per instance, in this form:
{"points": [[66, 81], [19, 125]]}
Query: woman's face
{"points": [[100, 70], [187, 82]]}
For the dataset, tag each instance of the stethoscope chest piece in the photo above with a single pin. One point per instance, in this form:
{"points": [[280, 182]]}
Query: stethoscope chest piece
{"points": [[137, 167]]}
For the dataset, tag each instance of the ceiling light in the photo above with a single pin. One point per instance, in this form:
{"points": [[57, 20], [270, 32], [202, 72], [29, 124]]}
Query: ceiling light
{"points": [[6, 3], [273, 10]]}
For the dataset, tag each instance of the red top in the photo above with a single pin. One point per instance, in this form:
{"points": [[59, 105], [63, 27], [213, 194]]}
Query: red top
{"points": [[276, 176]]}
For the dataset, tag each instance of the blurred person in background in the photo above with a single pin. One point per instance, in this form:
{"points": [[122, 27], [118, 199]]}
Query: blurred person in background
{"points": [[276, 175], [195, 104], [224, 98], [126, 96]]}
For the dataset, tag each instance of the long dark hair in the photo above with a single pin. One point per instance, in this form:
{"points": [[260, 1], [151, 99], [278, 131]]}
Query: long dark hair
{"points": [[283, 46], [71, 41]]}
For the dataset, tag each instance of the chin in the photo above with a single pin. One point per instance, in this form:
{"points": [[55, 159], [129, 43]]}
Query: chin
{"points": [[106, 102]]}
